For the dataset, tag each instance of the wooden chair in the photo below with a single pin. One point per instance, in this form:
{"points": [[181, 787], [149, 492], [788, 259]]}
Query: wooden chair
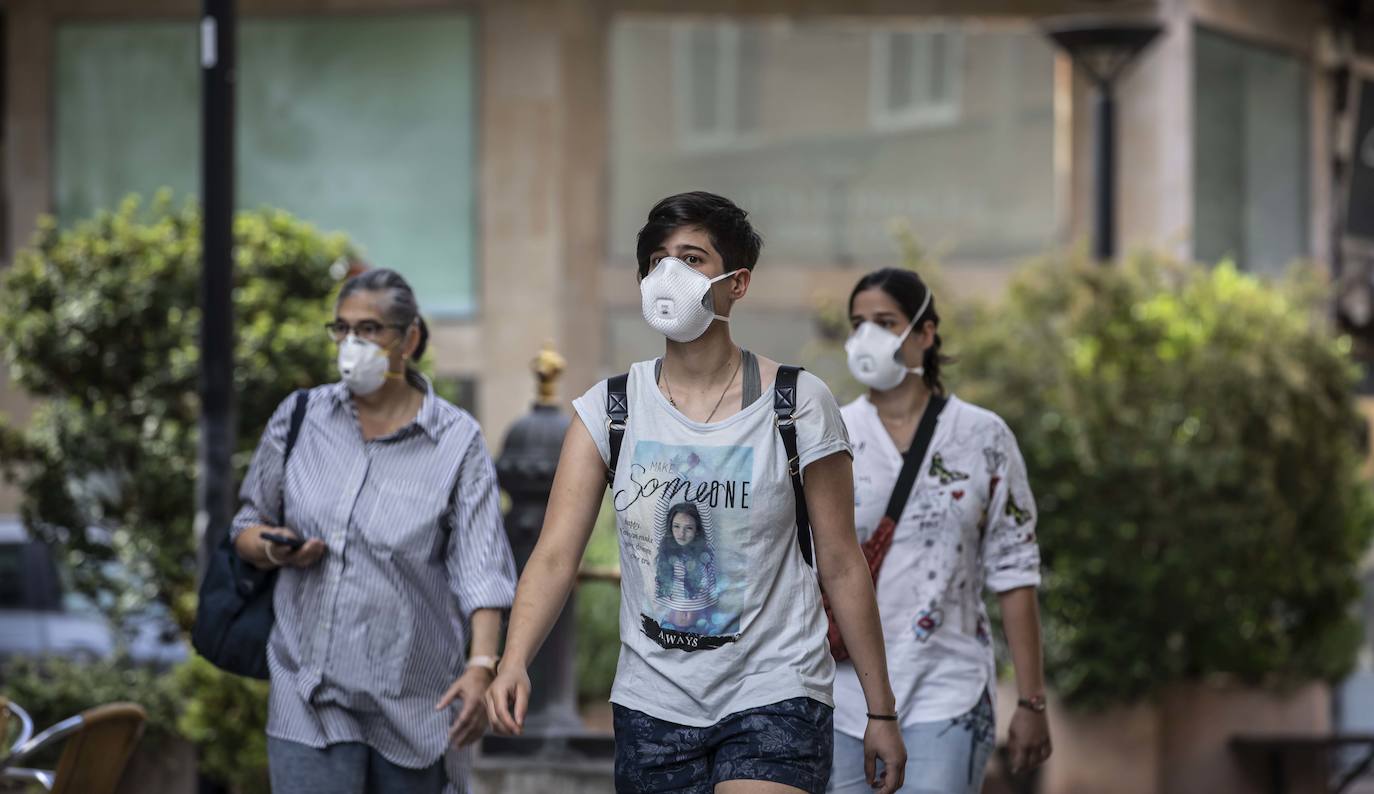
{"points": [[98, 743]]}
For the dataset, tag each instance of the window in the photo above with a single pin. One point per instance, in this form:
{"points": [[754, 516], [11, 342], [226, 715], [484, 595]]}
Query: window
{"points": [[715, 84], [916, 78], [1250, 159], [363, 125], [824, 189]]}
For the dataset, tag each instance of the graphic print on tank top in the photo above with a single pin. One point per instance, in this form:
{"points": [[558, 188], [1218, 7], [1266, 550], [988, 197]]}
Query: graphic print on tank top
{"points": [[685, 515]]}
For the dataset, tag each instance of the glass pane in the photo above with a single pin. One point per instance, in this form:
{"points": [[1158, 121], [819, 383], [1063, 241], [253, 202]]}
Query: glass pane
{"points": [[360, 124], [901, 70], [822, 172], [1250, 160], [703, 57], [127, 113], [11, 576], [938, 66]]}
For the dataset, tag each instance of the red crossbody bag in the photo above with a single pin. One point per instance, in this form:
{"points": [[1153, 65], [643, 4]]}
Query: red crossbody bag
{"points": [[876, 547]]}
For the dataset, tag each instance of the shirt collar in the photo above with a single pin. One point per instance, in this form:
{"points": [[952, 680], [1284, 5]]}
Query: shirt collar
{"points": [[431, 418]]}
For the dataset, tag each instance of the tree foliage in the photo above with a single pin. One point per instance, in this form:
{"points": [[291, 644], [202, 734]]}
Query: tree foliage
{"points": [[100, 324], [1192, 439]]}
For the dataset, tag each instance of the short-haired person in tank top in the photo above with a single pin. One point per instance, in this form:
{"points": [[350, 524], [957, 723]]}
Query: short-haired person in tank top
{"points": [[724, 680], [968, 523]]}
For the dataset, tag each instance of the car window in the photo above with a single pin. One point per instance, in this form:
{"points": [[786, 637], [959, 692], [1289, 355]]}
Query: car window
{"points": [[11, 578]]}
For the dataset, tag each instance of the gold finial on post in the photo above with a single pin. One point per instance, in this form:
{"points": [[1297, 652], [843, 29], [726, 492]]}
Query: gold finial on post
{"points": [[548, 367]]}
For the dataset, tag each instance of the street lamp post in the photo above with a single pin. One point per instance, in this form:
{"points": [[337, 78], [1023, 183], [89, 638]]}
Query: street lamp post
{"points": [[1102, 49], [217, 271], [215, 485]]}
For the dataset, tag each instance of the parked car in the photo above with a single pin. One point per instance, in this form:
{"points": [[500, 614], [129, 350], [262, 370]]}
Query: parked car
{"points": [[40, 616]]}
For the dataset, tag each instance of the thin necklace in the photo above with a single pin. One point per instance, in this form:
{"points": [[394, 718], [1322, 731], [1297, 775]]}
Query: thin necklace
{"points": [[728, 383]]}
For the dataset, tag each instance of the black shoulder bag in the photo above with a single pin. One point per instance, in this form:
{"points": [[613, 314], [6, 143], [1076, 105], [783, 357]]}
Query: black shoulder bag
{"points": [[234, 616]]}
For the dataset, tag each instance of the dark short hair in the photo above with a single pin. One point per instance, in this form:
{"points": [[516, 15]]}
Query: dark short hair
{"points": [[726, 224], [401, 307], [909, 292]]}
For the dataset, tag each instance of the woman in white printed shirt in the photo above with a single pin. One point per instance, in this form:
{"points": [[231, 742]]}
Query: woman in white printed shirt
{"points": [[967, 524]]}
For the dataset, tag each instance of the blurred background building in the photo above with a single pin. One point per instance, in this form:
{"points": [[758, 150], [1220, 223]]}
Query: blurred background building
{"points": [[503, 154]]}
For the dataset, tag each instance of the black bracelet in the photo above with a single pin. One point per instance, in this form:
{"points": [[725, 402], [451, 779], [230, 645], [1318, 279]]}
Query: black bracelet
{"points": [[884, 717]]}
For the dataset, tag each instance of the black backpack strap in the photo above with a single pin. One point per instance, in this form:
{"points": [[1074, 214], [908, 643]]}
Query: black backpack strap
{"points": [[785, 409], [292, 433], [915, 455], [617, 412]]}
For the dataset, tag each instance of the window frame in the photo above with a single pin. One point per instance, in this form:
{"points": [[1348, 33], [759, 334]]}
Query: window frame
{"points": [[728, 133]]}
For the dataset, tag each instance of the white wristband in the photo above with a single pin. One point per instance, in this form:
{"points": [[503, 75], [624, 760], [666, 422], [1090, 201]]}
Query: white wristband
{"points": [[485, 662], [267, 549]]}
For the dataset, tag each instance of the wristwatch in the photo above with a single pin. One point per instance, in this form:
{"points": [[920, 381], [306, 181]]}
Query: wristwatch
{"points": [[485, 662], [1035, 703]]}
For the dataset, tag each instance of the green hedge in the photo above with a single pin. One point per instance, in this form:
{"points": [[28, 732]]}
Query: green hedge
{"points": [[1191, 435], [99, 322]]}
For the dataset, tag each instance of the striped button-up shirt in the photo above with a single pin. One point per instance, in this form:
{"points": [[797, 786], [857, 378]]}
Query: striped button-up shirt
{"points": [[367, 641]]}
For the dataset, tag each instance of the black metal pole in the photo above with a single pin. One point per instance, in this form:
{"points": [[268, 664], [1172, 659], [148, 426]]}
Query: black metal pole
{"points": [[217, 45], [1104, 156], [217, 318]]}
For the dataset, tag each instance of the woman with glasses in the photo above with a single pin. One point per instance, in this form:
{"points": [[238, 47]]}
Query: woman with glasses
{"points": [[392, 557]]}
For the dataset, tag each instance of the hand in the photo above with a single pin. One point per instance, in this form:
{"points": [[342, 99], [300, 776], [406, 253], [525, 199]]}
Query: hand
{"points": [[470, 688], [883, 740], [1028, 741], [278, 556], [507, 698]]}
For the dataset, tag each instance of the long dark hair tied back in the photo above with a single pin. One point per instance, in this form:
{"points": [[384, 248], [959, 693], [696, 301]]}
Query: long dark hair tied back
{"points": [[909, 291]]}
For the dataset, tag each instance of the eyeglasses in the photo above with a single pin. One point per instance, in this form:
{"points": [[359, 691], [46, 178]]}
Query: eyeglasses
{"points": [[370, 330]]}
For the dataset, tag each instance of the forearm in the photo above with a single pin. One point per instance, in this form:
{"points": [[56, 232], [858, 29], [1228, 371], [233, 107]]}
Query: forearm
{"points": [[539, 598], [486, 632], [850, 589], [1021, 623]]}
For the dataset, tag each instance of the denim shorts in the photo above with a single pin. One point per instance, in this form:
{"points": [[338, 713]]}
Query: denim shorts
{"points": [[791, 742]]}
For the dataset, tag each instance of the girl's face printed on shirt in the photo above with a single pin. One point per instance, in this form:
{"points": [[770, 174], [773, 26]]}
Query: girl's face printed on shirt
{"points": [[684, 529]]}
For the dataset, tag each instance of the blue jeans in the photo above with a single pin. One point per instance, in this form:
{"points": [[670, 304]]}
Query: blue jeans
{"points": [[345, 768], [942, 757]]}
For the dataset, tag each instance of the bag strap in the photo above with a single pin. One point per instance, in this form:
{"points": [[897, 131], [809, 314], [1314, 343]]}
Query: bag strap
{"points": [[292, 433], [915, 456], [617, 412], [785, 409]]}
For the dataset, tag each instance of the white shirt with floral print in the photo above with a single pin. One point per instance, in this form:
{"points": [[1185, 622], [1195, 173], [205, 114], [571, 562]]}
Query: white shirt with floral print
{"points": [[969, 524]]}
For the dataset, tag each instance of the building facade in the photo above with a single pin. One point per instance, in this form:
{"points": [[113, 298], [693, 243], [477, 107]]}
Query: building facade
{"points": [[502, 153]]}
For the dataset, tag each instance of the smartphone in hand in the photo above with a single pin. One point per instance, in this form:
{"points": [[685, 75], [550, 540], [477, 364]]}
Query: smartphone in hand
{"points": [[283, 540]]}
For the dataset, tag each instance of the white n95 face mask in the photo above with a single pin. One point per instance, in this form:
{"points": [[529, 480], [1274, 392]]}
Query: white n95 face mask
{"points": [[676, 300], [874, 354], [363, 365]]}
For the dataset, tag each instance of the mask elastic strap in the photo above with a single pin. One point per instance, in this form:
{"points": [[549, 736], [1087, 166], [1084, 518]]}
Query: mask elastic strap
{"points": [[722, 277], [924, 304]]}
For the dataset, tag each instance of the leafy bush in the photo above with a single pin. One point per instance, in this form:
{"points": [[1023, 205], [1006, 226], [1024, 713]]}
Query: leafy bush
{"points": [[51, 690], [1191, 435], [226, 717], [100, 323]]}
